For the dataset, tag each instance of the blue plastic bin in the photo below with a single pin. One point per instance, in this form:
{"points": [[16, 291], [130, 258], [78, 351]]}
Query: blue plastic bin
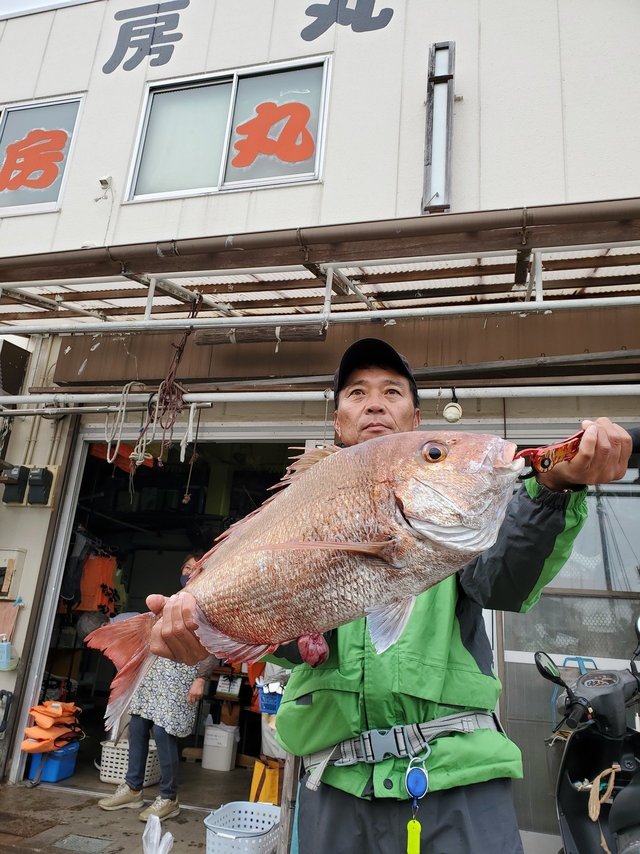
{"points": [[58, 765], [269, 702]]}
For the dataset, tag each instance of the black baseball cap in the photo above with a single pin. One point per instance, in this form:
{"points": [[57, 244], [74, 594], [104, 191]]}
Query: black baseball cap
{"points": [[372, 351]]}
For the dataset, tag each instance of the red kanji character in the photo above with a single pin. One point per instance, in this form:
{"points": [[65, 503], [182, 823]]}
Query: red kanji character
{"points": [[293, 144], [36, 155]]}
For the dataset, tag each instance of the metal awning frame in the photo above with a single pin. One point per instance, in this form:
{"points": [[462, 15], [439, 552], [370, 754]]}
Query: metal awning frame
{"points": [[532, 300], [525, 238]]}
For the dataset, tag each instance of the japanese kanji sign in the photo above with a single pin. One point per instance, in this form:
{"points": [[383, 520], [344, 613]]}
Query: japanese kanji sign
{"points": [[146, 31], [33, 161], [360, 17], [291, 142], [34, 147]]}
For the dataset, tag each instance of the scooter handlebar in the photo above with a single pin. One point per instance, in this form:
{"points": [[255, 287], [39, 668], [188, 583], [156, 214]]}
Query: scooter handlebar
{"points": [[576, 715]]}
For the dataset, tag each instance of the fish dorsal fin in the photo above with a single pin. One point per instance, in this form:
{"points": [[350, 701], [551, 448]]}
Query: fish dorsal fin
{"points": [[300, 464], [303, 462], [387, 623]]}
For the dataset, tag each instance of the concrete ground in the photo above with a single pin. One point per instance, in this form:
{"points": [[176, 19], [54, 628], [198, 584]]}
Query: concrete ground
{"points": [[55, 817], [49, 819]]}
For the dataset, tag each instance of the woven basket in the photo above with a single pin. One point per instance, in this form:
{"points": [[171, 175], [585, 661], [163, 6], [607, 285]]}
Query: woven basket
{"points": [[115, 758]]}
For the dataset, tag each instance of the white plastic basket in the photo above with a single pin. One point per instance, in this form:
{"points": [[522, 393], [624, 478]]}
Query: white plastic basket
{"points": [[242, 827], [115, 758]]}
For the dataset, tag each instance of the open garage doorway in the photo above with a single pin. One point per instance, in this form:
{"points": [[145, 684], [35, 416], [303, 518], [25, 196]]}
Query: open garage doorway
{"points": [[129, 538]]}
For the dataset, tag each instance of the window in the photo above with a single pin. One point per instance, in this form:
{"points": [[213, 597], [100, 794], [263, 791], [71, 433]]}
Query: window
{"points": [[437, 174], [34, 148], [241, 130]]}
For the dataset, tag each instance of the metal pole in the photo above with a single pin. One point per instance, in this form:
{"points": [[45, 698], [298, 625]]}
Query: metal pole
{"points": [[259, 397], [335, 317]]}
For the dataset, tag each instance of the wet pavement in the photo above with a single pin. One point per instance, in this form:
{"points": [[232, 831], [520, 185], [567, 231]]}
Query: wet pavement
{"points": [[57, 818]]}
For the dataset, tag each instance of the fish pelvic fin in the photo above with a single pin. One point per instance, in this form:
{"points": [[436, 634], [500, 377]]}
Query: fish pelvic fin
{"points": [[387, 623], [126, 643], [229, 649]]}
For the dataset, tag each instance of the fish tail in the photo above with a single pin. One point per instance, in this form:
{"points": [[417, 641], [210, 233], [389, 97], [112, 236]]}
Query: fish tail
{"points": [[126, 643]]}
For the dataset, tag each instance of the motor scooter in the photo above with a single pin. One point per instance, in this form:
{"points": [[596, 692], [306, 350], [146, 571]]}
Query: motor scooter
{"points": [[598, 781]]}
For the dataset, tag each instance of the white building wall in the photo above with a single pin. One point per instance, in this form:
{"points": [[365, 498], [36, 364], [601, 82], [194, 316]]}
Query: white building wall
{"points": [[545, 111]]}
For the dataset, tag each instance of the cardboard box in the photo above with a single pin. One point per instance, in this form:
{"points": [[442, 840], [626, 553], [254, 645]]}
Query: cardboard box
{"points": [[230, 713]]}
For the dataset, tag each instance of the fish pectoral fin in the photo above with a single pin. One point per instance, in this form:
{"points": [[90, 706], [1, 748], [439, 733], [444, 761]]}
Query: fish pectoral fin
{"points": [[226, 648], [383, 549], [387, 623]]}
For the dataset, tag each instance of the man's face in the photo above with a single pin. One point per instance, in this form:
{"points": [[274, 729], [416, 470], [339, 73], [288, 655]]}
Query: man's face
{"points": [[374, 402]]}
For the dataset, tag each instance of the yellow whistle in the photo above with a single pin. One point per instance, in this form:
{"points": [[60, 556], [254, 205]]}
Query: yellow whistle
{"points": [[413, 836]]}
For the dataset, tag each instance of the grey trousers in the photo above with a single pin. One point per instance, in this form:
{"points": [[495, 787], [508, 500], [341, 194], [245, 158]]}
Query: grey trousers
{"points": [[464, 820]]}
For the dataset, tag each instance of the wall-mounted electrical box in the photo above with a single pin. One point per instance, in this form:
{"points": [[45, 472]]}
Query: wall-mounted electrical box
{"points": [[30, 485], [40, 483], [11, 563], [15, 484]]}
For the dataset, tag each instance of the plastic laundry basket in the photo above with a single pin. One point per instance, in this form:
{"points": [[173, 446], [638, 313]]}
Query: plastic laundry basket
{"points": [[115, 759], [242, 827]]}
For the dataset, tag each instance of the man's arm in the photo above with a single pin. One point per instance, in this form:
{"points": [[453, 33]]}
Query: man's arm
{"points": [[542, 522]]}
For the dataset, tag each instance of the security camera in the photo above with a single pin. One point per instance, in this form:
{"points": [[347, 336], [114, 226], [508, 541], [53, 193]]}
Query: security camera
{"points": [[105, 182], [452, 412]]}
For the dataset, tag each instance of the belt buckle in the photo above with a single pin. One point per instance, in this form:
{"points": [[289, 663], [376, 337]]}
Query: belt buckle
{"points": [[379, 743]]}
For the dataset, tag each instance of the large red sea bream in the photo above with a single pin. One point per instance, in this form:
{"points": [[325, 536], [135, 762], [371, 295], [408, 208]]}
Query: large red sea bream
{"points": [[352, 532]]}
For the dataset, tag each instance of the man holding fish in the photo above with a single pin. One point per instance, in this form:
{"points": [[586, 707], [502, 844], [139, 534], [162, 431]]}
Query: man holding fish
{"points": [[383, 588]]}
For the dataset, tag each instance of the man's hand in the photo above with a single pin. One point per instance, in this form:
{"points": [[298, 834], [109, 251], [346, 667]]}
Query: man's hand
{"points": [[173, 635], [604, 454]]}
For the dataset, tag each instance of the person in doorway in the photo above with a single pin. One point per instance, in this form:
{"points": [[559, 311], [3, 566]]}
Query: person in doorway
{"points": [[165, 704], [440, 667]]}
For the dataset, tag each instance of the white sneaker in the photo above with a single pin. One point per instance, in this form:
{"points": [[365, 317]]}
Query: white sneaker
{"points": [[162, 807], [121, 798]]}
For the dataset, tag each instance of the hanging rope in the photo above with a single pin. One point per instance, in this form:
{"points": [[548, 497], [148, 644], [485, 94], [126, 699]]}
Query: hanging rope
{"points": [[114, 433], [169, 402], [186, 498], [596, 799]]}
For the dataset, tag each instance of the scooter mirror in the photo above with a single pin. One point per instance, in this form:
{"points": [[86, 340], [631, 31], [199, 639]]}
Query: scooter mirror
{"points": [[548, 668], [638, 628]]}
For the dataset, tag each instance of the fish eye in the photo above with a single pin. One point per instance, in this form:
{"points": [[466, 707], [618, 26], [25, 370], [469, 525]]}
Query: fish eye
{"points": [[433, 452]]}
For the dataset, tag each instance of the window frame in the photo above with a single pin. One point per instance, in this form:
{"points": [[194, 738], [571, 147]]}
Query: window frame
{"points": [[434, 80], [229, 76], [43, 207]]}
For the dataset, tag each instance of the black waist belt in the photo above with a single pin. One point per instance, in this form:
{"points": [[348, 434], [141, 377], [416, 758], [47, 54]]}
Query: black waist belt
{"points": [[400, 741]]}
